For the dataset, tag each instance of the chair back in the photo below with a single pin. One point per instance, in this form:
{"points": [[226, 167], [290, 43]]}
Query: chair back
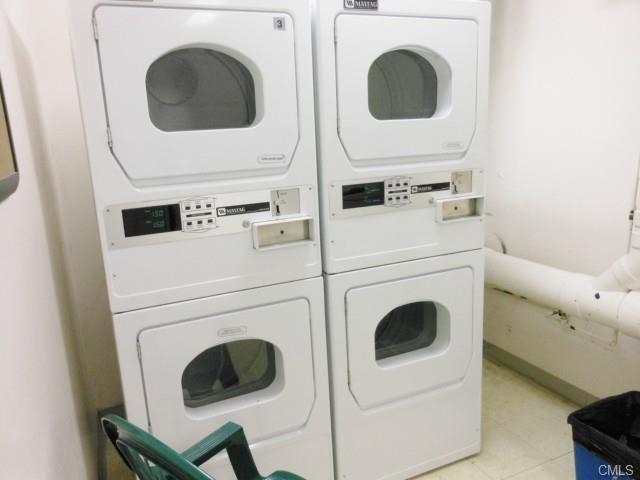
{"points": [[146, 456]]}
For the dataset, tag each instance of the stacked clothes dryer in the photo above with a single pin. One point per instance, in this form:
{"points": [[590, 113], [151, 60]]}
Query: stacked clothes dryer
{"points": [[402, 92], [199, 124]]}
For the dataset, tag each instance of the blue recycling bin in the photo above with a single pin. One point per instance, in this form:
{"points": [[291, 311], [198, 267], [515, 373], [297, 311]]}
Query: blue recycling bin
{"points": [[606, 436]]}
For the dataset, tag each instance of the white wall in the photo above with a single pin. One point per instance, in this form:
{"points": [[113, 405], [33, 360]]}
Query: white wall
{"points": [[45, 30], [44, 429], [42, 27], [565, 118], [75, 196]]}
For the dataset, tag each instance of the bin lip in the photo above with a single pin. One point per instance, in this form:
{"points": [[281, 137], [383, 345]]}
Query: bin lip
{"points": [[599, 442], [576, 418], [605, 401]]}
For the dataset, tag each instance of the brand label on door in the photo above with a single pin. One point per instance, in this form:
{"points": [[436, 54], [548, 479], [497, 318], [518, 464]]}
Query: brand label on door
{"points": [[361, 4], [243, 209], [232, 331]]}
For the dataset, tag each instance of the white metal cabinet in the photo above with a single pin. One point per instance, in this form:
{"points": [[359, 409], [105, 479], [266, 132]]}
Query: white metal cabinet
{"points": [[286, 417], [199, 104], [392, 382], [402, 109]]}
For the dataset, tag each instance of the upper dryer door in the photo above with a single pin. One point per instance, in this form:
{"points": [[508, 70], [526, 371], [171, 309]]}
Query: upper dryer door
{"points": [[197, 94], [406, 87]]}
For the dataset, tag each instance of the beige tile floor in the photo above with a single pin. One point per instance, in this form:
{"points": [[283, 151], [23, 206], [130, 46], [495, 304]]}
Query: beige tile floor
{"points": [[525, 433]]}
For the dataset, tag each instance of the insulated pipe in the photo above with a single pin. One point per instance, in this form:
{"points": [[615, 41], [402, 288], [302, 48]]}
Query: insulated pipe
{"points": [[624, 274], [572, 293], [629, 313]]}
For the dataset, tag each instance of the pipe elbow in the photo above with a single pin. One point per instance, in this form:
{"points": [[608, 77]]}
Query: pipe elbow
{"points": [[622, 276]]}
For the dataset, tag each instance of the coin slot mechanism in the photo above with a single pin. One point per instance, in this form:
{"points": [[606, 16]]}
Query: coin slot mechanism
{"points": [[285, 202], [462, 182]]}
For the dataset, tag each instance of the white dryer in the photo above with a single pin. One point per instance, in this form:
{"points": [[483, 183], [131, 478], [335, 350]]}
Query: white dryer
{"points": [[256, 357], [200, 131], [405, 347], [199, 123], [402, 94]]}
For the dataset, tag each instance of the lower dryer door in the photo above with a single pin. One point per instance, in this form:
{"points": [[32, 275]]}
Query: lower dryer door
{"points": [[409, 336], [252, 366]]}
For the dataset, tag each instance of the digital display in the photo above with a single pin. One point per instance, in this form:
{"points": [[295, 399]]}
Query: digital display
{"points": [[151, 220], [362, 195]]}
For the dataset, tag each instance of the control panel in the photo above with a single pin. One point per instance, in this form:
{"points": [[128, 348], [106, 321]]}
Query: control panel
{"points": [[397, 191], [422, 190], [272, 217], [198, 214]]}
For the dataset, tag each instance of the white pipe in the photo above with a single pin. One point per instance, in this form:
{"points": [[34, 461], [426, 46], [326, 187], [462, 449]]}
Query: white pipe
{"points": [[624, 274], [572, 293]]}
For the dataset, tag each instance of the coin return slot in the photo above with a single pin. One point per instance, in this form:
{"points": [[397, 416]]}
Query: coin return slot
{"points": [[288, 232]]}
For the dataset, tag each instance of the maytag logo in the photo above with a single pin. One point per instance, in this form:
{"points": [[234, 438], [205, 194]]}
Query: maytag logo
{"points": [[243, 209], [224, 211], [361, 4]]}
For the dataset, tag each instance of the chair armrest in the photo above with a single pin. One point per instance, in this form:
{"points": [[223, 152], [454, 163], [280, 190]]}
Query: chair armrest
{"points": [[212, 444], [229, 437]]}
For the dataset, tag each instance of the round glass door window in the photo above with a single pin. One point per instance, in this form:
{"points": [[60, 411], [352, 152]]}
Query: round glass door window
{"points": [[406, 329], [402, 85], [200, 89], [228, 370]]}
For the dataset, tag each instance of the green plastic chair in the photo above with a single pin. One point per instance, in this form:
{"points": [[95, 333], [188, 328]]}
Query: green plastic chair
{"points": [[150, 459]]}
